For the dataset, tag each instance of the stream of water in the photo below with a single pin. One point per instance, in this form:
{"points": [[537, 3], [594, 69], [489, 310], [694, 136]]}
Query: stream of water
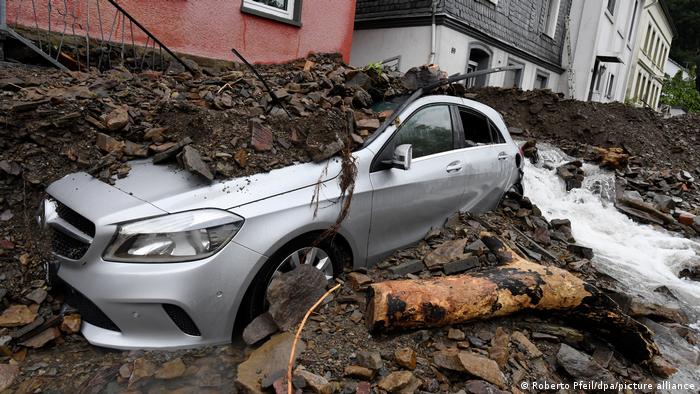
{"points": [[641, 257]]}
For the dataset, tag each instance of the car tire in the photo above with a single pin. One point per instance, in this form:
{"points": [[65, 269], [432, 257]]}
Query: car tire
{"points": [[254, 303]]}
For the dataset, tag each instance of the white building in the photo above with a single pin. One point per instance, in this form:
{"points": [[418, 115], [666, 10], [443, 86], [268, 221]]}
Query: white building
{"points": [[656, 31], [463, 35], [671, 68], [603, 35]]}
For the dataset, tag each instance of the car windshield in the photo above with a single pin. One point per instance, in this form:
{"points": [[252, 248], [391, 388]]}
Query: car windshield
{"points": [[389, 105]]}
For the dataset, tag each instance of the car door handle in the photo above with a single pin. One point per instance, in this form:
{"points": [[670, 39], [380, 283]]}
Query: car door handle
{"points": [[502, 156], [455, 166]]}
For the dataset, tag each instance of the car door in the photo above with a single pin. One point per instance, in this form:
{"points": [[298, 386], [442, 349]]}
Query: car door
{"points": [[505, 156], [407, 203], [482, 163]]}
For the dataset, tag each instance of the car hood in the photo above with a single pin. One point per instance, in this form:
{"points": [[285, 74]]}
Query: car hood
{"points": [[173, 189]]}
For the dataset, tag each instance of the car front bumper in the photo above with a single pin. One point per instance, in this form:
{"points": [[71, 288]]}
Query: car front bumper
{"points": [[160, 306]]}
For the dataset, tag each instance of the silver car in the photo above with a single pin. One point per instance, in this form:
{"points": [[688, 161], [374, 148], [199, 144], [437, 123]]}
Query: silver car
{"points": [[162, 260]]}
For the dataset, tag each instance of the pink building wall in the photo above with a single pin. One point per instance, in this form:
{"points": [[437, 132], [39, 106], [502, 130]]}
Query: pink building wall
{"points": [[207, 28]]}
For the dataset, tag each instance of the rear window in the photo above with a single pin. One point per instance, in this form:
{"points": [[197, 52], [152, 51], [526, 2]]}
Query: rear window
{"points": [[479, 129]]}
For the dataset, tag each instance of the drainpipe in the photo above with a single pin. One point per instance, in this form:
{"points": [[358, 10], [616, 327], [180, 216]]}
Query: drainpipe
{"points": [[3, 15], [651, 4], [431, 59]]}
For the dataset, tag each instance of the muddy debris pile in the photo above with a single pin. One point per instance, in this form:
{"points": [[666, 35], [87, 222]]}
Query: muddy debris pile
{"points": [[652, 141], [494, 352]]}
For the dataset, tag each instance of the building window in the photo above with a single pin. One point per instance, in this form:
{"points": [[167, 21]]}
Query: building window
{"points": [[550, 26], [479, 59], [656, 50], [287, 11], [611, 7], [541, 80], [392, 64], [634, 15], [599, 80], [636, 88], [611, 87], [646, 40], [514, 78]]}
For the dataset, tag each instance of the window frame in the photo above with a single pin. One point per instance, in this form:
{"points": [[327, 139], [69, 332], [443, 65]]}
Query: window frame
{"points": [[543, 74], [292, 16], [552, 18], [519, 74], [382, 155], [614, 7], [489, 123]]}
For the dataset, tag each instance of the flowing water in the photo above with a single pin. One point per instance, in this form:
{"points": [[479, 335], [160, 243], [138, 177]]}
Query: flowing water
{"points": [[641, 257]]}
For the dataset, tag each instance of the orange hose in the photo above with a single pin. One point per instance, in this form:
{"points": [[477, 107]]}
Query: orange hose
{"points": [[298, 334]]}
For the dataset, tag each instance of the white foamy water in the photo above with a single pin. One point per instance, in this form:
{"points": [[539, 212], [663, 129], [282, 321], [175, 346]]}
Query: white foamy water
{"points": [[641, 257]]}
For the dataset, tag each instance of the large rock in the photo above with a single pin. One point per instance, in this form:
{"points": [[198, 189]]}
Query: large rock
{"points": [[292, 293], [142, 369], [171, 370], [8, 373], [397, 382], [117, 119], [192, 161], [405, 357], [17, 315], [260, 328], [572, 174], [524, 344], [43, 338], [369, 359], [663, 202], [499, 351], [483, 368], [317, 384], [269, 358], [446, 252], [581, 366], [614, 158]]}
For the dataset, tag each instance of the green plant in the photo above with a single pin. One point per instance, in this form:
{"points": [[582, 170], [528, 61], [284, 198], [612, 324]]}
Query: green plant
{"points": [[678, 92], [375, 67]]}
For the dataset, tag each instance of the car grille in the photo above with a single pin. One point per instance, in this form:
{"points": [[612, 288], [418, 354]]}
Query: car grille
{"points": [[74, 218], [89, 312], [64, 245]]}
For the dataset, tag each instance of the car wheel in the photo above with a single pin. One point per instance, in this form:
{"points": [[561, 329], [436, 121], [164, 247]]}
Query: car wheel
{"points": [[323, 255]]}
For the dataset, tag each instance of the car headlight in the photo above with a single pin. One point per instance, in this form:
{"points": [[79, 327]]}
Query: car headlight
{"points": [[177, 237]]}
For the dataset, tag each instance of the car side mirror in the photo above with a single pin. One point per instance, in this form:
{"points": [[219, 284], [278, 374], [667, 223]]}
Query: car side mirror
{"points": [[402, 157]]}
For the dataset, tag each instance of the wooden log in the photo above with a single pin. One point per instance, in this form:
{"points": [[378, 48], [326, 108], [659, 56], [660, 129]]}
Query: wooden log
{"points": [[515, 286]]}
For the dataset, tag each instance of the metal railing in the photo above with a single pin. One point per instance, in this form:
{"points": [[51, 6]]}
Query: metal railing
{"points": [[79, 34]]}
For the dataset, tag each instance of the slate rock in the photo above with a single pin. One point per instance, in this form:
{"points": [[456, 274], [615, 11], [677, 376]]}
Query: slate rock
{"points": [[580, 365], [292, 293], [456, 267], [17, 315], [192, 161], [369, 359], [260, 328], [8, 373], [43, 338], [171, 370], [405, 357], [272, 356], [483, 368], [408, 267]]}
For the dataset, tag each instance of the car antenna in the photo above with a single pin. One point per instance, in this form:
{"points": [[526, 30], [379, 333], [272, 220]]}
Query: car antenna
{"points": [[275, 99]]}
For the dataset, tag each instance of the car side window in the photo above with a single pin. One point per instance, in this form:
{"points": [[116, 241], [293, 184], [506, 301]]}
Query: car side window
{"points": [[496, 135], [429, 131], [476, 128]]}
